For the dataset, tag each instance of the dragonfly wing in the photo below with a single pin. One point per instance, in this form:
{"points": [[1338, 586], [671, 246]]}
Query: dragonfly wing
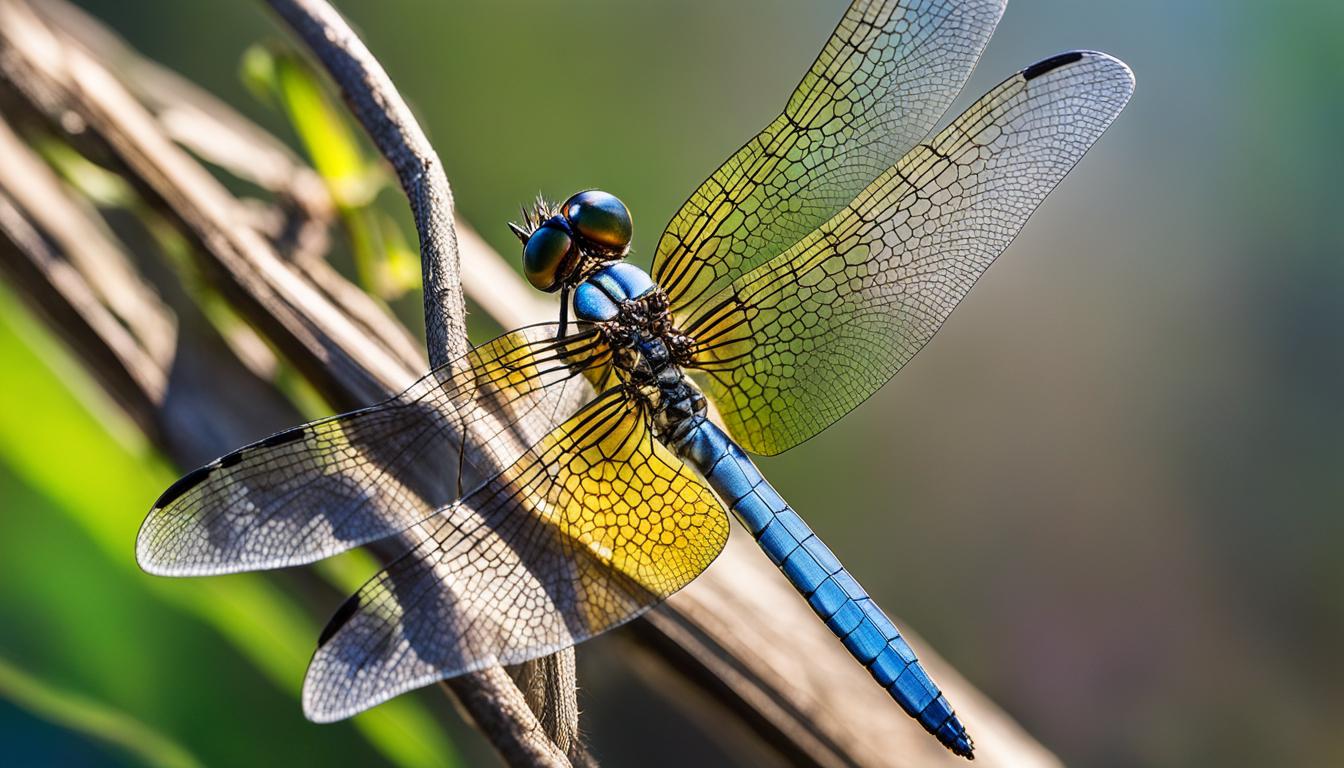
{"points": [[319, 489], [795, 344], [885, 76], [591, 527]]}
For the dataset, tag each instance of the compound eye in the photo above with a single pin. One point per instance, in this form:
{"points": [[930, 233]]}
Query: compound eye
{"points": [[542, 256], [601, 219]]}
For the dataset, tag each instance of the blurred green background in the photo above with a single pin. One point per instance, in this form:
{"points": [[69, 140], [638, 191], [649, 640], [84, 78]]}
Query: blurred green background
{"points": [[1109, 493]]}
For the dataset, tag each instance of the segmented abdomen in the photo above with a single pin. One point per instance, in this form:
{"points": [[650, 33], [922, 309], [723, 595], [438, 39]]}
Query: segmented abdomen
{"points": [[816, 573]]}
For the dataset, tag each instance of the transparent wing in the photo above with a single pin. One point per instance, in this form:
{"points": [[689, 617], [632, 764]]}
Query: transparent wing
{"points": [[322, 488], [795, 344], [881, 82], [586, 531]]}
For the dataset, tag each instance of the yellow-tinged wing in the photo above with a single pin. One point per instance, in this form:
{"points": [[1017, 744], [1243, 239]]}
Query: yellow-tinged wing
{"points": [[591, 527], [888, 72], [793, 345]]}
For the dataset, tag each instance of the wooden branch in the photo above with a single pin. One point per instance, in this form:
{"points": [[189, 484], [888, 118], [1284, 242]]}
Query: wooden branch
{"points": [[213, 131], [380, 109], [55, 289], [502, 712], [738, 633], [195, 401], [194, 117], [490, 697]]}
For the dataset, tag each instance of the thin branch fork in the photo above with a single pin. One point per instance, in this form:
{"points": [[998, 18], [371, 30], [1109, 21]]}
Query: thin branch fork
{"points": [[738, 634], [378, 106], [384, 114]]}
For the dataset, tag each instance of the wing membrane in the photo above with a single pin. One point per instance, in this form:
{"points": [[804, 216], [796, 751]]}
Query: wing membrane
{"points": [[322, 488], [885, 76], [798, 342], [584, 532]]}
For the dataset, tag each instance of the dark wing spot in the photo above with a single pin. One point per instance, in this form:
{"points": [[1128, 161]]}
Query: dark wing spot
{"points": [[1050, 64], [184, 484], [338, 620], [231, 459], [280, 438]]}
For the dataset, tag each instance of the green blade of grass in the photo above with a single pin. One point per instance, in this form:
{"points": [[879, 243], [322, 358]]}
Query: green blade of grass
{"points": [[92, 718]]}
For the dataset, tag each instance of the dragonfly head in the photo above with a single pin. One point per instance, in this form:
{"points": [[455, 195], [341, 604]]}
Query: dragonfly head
{"points": [[562, 244]]}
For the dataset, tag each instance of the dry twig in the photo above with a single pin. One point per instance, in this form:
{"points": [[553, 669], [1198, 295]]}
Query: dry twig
{"points": [[374, 100], [380, 109]]}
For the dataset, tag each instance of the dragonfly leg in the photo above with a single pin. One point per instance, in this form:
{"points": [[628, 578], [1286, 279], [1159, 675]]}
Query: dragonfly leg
{"points": [[564, 312]]}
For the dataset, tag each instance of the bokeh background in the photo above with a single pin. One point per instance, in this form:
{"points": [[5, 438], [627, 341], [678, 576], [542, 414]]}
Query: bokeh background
{"points": [[1110, 492]]}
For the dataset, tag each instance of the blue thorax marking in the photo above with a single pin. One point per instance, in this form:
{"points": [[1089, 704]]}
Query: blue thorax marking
{"points": [[598, 298]]}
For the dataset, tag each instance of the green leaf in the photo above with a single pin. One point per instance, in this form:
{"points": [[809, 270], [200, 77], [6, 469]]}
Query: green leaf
{"points": [[100, 185], [326, 135]]}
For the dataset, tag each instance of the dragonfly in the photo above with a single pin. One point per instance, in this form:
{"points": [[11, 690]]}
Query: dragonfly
{"points": [[793, 283]]}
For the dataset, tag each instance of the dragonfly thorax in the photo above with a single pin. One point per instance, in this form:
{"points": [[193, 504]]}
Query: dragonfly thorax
{"points": [[580, 245], [648, 350]]}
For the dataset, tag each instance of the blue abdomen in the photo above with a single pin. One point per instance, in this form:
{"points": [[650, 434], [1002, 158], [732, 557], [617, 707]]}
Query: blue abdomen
{"points": [[816, 573]]}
